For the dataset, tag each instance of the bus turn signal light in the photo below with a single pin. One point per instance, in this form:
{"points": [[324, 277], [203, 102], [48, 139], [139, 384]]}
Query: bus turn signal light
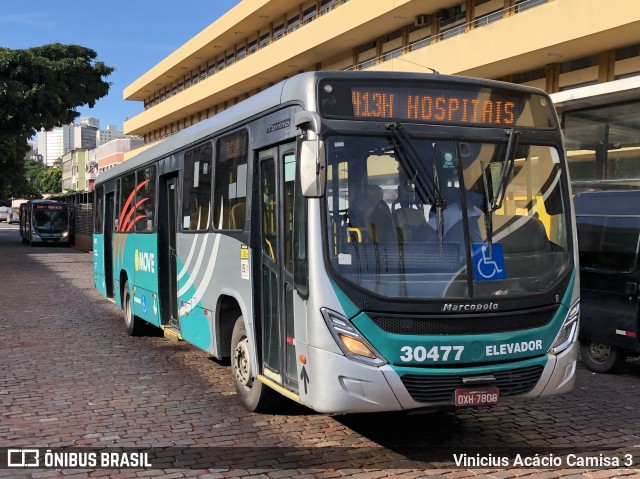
{"points": [[357, 347]]}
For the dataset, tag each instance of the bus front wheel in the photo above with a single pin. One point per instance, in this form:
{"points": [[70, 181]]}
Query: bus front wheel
{"points": [[132, 325], [601, 358], [253, 394]]}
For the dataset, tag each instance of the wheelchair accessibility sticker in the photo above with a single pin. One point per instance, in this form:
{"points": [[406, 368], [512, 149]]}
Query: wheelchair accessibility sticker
{"points": [[487, 265]]}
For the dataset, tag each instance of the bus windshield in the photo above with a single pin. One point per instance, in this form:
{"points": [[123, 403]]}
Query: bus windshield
{"points": [[50, 218], [429, 218]]}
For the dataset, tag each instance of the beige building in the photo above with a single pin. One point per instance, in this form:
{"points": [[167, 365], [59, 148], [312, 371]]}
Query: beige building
{"points": [[586, 53]]}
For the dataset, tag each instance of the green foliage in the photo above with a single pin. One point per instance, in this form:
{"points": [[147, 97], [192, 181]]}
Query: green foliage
{"points": [[12, 152], [41, 87]]}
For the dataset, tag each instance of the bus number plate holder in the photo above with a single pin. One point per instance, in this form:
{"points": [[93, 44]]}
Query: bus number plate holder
{"points": [[476, 397]]}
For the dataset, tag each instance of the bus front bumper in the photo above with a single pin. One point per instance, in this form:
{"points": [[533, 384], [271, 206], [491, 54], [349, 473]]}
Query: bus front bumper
{"points": [[341, 385]]}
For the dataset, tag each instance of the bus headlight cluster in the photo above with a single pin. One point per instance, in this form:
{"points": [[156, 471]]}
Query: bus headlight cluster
{"points": [[569, 330], [349, 339]]}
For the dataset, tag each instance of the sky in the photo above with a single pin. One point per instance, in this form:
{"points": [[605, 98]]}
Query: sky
{"points": [[131, 36]]}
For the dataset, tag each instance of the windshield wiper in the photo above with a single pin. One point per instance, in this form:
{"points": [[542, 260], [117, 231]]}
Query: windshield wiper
{"points": [[426, 184], [507, 168], [501, 191], [488, 218]]}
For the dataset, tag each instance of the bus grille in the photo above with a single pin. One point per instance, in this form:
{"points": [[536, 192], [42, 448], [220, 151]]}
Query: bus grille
{"points": [[467, 324], [441, 388]]}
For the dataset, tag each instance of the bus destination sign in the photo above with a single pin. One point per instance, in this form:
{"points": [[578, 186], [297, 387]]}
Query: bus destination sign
{"points": [[387, 103], [437, 104], [48, 207]]}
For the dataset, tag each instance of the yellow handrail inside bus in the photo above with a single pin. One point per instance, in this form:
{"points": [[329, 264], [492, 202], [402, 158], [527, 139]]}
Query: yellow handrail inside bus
{"points": [[356, 231]]}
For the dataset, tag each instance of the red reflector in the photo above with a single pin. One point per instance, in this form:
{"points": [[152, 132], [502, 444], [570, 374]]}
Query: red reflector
{"points": [[631, 334], [289, 340]]}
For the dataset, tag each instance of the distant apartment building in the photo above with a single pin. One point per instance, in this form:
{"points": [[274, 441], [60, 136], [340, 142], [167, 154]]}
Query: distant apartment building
{"points": [[89, 121], [84, 136], [74, 169], [108, 134], [112, 153], [54, 143]]}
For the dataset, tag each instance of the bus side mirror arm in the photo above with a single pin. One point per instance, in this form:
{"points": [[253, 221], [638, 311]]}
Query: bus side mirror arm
{"points": [[313, 162]]}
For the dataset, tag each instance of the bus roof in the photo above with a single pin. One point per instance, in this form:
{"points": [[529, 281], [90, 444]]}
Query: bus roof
{"points": [[299, 89]]}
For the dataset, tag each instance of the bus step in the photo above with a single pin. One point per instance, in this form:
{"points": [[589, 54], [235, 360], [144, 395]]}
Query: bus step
{"points": [[172, 334]]}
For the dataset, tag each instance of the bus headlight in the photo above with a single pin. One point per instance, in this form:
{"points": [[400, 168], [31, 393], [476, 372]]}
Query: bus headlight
{"points": [[65, 234], [349, 339], [569, 330]]}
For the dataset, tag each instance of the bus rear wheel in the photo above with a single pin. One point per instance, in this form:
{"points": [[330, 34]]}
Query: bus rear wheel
{"points": [[253, 394], [132, 325], [601, 358]]}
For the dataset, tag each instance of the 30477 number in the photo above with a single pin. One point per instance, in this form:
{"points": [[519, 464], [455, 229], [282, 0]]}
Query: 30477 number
{"points": [[420, 354]]}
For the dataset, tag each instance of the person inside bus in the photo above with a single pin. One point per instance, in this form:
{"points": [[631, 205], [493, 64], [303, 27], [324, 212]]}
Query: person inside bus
{"points": [[410, 216], [379, 217], [449, 186]]}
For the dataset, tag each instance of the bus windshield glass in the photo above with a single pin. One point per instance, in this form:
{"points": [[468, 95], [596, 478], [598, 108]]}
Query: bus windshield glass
{"points": [[417, 218], [50, 218]]}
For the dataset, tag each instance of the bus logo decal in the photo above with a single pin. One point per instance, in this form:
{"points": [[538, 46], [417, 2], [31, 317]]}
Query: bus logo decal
{"points": [[144, 261], [278, 126]]}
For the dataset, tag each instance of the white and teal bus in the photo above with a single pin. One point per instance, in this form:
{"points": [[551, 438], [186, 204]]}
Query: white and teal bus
{"points": [[356, 242], [44, 221]]}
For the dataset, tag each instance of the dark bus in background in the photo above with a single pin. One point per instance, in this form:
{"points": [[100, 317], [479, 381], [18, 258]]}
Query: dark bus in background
{"points": [[608, 235], [44, 221]]}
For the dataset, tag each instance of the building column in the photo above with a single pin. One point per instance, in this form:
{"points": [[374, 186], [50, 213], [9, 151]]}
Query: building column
{"points": [[606, 66], [471, 14], [552, 78], [435, 25], [508, 4]]}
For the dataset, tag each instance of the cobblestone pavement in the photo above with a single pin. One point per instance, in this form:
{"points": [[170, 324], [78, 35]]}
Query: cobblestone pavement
{"points": [[71, 377]]}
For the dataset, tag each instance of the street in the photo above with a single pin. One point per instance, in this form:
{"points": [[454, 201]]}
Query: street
{"points": [[72, 378]]}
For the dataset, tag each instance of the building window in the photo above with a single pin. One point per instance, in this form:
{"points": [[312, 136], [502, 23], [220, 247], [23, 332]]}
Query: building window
{"points": [[579, 64]]}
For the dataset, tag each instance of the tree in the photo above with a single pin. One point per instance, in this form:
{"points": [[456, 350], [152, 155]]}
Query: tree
{"points": [[41, 87]]}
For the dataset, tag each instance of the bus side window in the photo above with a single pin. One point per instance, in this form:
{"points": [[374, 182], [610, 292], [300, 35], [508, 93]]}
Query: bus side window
{"points": [[146, 199], [99, 205], [608, 243], [196, 201], [230, 191], [127, 202]]}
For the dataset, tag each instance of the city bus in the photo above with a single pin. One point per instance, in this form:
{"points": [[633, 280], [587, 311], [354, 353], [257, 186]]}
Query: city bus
{"points": [[44, 221], [356, 242]]}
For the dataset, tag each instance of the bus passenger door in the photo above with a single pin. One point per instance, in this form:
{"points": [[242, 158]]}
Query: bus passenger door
{"points": [[109, 221], [167, 272], [275, 210]]}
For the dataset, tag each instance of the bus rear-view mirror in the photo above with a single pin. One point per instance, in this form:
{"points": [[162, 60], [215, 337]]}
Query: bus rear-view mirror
{"points": [[312, 168]]}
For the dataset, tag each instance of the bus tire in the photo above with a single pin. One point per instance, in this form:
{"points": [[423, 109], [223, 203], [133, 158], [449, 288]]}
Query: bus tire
{"points": [[254, 395], [132, 324], [601, 358]]}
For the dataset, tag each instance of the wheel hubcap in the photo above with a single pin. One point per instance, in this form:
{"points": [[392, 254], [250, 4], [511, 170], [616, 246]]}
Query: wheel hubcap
{"points": [[599, 352], [127, 309], [242, 365]]}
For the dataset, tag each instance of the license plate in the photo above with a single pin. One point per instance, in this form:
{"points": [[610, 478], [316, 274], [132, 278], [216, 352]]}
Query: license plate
{"points": [[476, 397]]}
